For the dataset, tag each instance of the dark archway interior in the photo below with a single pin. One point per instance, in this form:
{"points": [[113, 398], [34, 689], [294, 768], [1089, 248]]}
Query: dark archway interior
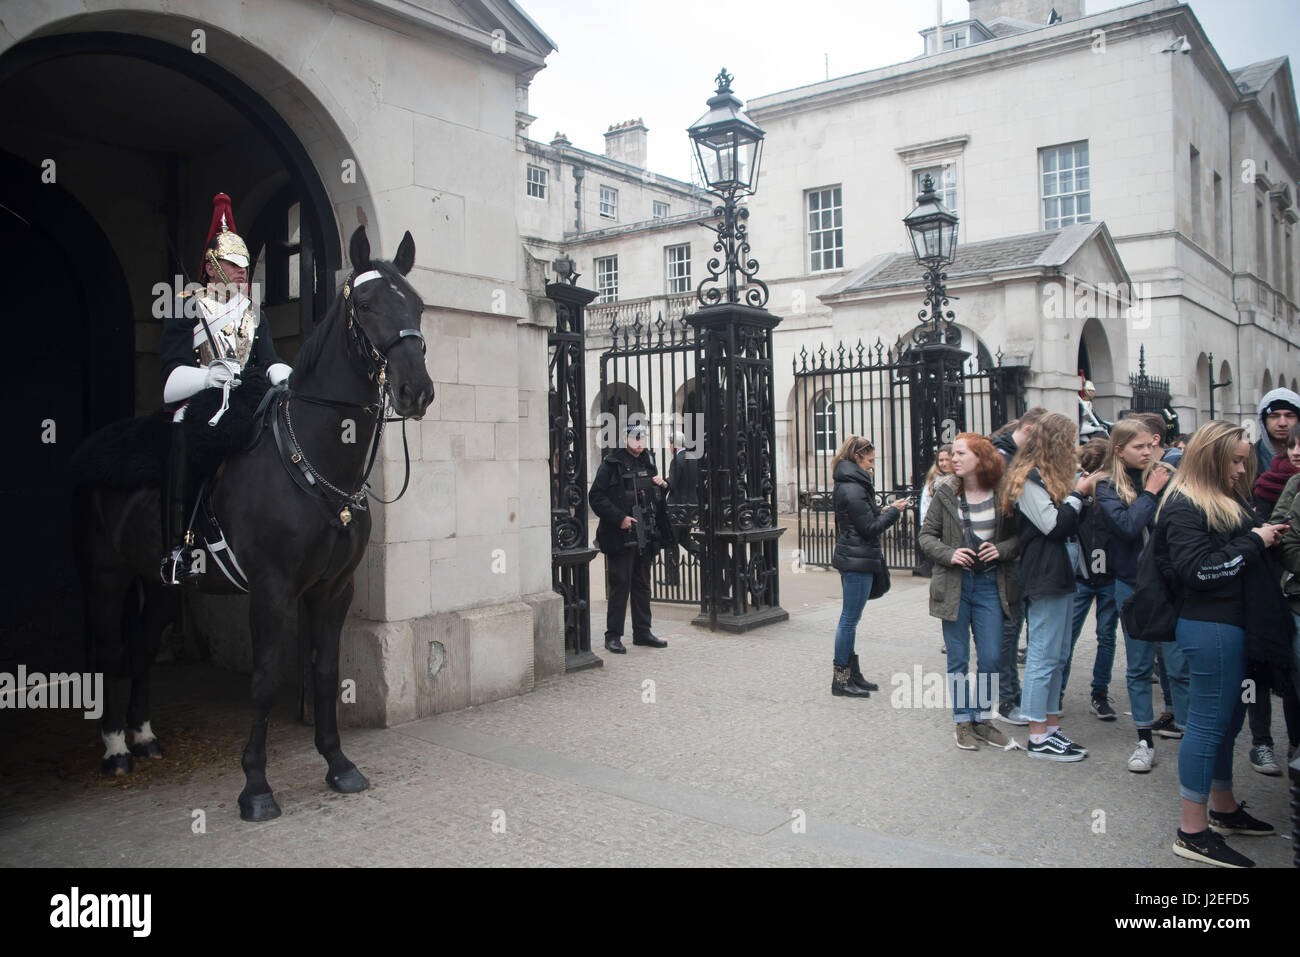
{"points": [[115, 146]]}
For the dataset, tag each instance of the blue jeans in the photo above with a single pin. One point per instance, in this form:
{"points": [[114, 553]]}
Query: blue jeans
{"points": [[1048, 619], [1173, 679], [1295, 654], [857, 588], [1216, 662], [1107, 619], [1008, 668], [1141, 657], [978, 612], [1162, 672]]}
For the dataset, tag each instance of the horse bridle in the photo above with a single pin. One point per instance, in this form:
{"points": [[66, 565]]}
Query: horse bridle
{"points": [[376, 362]]}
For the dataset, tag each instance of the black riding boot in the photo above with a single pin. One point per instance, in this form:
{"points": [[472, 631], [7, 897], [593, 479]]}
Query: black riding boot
{"points": [[855, 674], [176, 556], [842, 684]]}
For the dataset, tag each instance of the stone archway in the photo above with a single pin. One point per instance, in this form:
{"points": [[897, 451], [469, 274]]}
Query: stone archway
{"points": [[1096, 363], [118, 143]]}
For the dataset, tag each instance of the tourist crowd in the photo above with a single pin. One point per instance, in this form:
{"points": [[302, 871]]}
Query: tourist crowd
{"points": [[1191, 551]]}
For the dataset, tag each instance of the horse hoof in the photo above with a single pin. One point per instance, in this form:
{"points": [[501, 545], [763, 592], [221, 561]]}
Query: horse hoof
{"points": [[258, 807], [147, 749], [350, 781], [119, 765]]}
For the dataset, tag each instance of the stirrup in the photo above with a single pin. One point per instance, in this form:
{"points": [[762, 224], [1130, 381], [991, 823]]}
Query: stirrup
{"points": [[175, 568]]}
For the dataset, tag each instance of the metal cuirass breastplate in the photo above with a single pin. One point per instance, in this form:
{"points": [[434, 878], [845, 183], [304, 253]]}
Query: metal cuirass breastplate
{"points": [[233, 325]]}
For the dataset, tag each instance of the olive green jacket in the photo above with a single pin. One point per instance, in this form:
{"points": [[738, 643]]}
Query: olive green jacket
{"points": [[941, 535], [1288, 510]]}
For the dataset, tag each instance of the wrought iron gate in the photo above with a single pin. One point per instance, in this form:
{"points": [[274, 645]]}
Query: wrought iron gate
{"points": [[887, 394], [649, 371]]}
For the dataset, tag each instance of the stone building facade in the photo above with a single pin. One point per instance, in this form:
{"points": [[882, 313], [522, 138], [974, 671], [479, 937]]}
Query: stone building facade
{"points": [[1038, 122]]}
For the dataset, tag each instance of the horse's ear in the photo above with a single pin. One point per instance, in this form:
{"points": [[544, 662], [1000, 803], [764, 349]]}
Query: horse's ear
{"points": [[405, 257], [359, 250]]}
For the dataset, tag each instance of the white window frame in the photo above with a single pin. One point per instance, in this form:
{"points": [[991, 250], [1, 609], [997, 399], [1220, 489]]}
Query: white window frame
{"points": [[825, 426], [536, 186], [945, 183], [659, 210], [829, 224], [608, 202], [606, 269], [1052, 178], [677, 272]]}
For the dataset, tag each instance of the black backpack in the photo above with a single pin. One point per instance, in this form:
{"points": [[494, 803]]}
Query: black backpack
{"points": [[1151, 612], [1095, 536]]}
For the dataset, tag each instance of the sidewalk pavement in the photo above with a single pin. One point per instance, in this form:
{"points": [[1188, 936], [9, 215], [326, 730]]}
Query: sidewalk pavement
{"points": [[718, 750]]}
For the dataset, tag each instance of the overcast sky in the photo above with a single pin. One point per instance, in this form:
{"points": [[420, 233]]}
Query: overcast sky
{"points": [[617, 60]]}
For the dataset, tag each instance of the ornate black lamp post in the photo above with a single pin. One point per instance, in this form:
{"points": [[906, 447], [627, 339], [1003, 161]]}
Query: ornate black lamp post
{"points": [[728, 147], [938, 412], [933, 231], [733, 342]]}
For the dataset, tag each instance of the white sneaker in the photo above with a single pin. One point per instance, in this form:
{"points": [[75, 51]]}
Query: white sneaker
{"points": [[1143, 759]]}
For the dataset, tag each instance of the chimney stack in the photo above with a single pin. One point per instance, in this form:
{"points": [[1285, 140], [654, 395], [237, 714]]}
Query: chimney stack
{"points": [[627, 142]]}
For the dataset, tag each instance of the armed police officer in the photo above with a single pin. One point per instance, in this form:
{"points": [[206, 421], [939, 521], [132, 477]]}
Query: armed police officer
{"points": [[206, 343], [628, 496]]}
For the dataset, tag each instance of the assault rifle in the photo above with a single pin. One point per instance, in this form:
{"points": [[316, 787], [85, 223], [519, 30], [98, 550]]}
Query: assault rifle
{"points": [[638, 534]]}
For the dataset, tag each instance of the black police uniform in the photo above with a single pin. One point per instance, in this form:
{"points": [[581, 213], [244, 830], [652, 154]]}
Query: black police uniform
{"points": [[621, 482]]}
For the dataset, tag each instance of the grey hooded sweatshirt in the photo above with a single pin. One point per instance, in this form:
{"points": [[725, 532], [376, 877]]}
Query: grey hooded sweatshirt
{"points": [[1264, 450]]}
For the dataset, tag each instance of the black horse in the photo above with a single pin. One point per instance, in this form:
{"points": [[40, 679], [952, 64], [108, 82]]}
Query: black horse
{"points": [[298, 539]]}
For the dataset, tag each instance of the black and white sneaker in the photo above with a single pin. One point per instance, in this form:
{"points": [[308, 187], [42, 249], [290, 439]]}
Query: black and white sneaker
{"points": [[1071, 744], [1208, 848], [1101, 707], [1053, 748], [1166, 728], [1239, 822]]}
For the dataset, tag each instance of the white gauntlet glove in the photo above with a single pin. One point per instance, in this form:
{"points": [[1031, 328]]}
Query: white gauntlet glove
{"points": [[221, 371]]}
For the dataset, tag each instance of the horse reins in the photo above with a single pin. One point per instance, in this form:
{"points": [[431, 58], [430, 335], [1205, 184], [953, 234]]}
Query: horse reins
{"points": [[376, 362]]}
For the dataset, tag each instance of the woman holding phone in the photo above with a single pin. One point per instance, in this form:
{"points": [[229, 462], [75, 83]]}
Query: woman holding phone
{"points": [[859, 523], [1208, 541], [972, 545], [1044, 497]]}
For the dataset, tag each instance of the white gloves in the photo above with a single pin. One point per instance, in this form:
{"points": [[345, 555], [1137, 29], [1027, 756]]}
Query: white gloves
{"points": [[184, 382], [221, 371], [277, 372]]}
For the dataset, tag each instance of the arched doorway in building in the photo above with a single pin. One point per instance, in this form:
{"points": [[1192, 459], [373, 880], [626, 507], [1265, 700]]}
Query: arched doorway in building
{"points": [[117, 144], [1096, 364]]}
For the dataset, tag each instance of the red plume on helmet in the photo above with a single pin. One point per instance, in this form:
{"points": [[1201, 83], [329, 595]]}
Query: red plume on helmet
{"points": [[220, 207], [223, 242]]}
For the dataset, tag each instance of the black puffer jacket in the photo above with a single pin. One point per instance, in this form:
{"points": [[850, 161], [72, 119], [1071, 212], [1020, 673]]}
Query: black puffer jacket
{"points": [[859, 523]]}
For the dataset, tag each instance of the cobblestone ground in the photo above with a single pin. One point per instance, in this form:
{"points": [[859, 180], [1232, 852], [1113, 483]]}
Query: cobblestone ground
{"points": [[742, 758]]}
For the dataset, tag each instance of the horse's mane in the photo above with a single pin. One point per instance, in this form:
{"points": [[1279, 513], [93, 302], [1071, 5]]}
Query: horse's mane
{"points": [[310, 352]]}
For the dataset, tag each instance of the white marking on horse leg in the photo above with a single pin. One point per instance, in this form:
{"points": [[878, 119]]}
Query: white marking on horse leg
{"points": [[114, 743], [143, 734]]}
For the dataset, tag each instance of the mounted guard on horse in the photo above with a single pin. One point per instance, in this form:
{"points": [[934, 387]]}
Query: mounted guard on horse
{"points": [[288, 493], [206, 343]]}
